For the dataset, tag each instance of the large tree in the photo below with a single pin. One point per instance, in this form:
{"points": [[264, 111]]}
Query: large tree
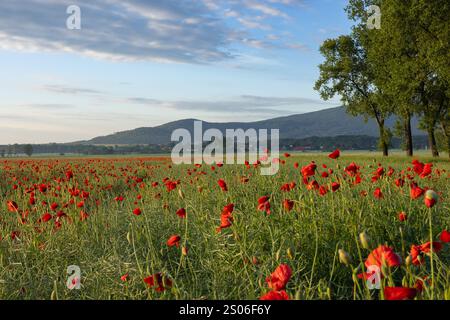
{"points": [[412, 54], [347, 72]]}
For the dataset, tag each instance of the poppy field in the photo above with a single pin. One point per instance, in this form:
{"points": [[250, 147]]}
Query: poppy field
{"points": [[142, 228]]}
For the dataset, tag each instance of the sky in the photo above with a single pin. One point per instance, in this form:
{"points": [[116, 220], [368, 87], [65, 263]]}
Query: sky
{"points": [[141, 63]]}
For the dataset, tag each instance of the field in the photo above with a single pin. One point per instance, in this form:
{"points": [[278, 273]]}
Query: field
{"points": [[140, 228]]}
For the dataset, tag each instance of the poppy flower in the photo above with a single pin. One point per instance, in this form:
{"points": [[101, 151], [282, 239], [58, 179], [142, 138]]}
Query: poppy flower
{"points": [[399, 293], [309, 170], [427, 170], [445, 236], [335, 186], [402, 216], [174, 241], [417, 251], [12, 206], [383, 254], [158, 281], [222, 184], [226, 218], [46, 217], [124, 278], [275, 295], [377, 193], [415, 191], [335, 154], [181, 213], [288, 204], [264, 204], [137, 212], [426, 247], [352, 169], [279, 278], [323, 190]]}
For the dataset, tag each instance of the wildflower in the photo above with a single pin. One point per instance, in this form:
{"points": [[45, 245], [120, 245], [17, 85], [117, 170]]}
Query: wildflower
{"points": [[335, 154], [344, 257], [275, 295], [399, 293], [174, 241], [279, 278]]}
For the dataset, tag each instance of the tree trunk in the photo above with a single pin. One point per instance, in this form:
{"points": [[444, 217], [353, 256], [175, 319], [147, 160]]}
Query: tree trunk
{"points": [[408, 136], [383, 143], [446, 130], [432, 142]]}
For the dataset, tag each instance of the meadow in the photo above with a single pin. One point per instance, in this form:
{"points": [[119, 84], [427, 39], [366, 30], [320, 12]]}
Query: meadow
{"points": [[142, 228]]}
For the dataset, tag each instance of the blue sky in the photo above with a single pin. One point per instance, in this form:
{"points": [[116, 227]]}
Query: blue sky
{"points": [[141, 63]]}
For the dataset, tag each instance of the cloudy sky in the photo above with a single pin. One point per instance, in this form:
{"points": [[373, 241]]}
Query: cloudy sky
{"points": [[138, 63]]}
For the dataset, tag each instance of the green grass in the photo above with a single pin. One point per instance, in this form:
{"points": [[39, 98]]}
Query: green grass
{"points": [[113, 241]]}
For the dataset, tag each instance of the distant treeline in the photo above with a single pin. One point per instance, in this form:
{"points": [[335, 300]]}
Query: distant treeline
{"points": [[306, 144]]}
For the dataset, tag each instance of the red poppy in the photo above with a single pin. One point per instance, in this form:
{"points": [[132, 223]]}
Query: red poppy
{"points": [[335, 154], [415, 191], [158, 281], [181, 213], [54, 206], [137, 212], [323, 190], [426, 247], [288, 204], [46, 217], [445, 236], [124, 278], [309, 170], [222, 185], [352, 169], [264, 204], [174, 241], [417, 251], [402, 216], [335, 186], [399, 293], [383, 254], [279, 278], [377, 193], [427, 170], [275, 295], [12, 206]]}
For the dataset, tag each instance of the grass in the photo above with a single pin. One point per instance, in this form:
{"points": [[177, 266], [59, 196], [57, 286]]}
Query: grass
{"points": [[232, 264]]}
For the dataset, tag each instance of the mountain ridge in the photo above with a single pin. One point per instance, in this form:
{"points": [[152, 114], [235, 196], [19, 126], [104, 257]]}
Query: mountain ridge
{"points": [[327, 122]]}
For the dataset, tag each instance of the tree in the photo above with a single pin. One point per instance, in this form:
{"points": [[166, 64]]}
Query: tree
{"points": [[28, 149], [413, 57], [347, 72]]}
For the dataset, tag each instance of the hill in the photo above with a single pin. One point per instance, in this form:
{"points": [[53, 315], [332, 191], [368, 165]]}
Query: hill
{"points": [[324, 123]]}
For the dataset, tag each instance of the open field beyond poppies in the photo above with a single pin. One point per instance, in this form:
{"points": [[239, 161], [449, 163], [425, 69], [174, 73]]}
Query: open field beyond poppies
{"points": [[143, 229]]}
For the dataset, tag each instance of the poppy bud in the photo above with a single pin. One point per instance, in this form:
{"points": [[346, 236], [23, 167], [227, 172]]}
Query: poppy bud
{"points": [[277, 256], [364, 238], [408, 260], [431, 198], [180, 193], [129, 237], [344, 257], [289, 254], [184, 251]]}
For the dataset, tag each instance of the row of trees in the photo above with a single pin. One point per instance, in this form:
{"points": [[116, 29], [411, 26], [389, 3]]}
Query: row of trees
{"points": [[401, 68], [16, 149]]}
